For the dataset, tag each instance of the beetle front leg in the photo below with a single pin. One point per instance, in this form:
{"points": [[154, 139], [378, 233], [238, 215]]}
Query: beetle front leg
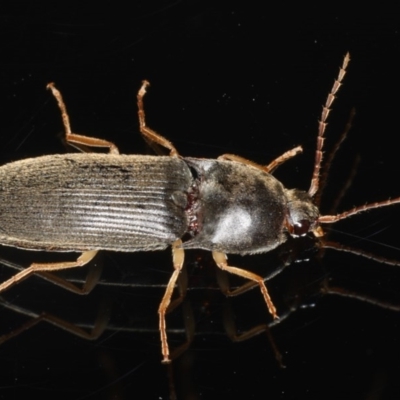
{"points": [[178, 256], [72, 138], [271, 167], [82, 260], [220, 260]]}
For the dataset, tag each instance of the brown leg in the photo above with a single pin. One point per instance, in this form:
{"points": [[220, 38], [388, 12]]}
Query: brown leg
{"points": [[220, 260], [82, 260], [72, 138], [149, 135], [272, 166], [178, 256], [92, 277], [181, 288], [266, 168], [88, 284]]}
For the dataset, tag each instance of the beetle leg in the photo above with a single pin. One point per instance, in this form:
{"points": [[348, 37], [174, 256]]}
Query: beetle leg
{"points": [[178, 256], [91, 280], [266, 168], [181, 286], [272, 166], [82, 260], [98, 327], [72, 138], [220, 260], [231, 330], [149, 135], [189, 330]]}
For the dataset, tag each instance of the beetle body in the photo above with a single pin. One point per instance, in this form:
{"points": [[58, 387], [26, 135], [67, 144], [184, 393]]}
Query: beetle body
{"points": [[82, 202], [90, 202]]}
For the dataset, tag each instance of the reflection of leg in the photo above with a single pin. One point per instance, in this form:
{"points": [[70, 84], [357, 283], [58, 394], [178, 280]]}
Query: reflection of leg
{"points": [[188, 318], [220, 260], [231, 330], [327, 288], [92, 277], [98, 328], [72, 138], [82, 260], [178, 257]]}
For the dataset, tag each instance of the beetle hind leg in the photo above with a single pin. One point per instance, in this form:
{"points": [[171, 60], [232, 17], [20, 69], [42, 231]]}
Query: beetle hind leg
{"points": [[151, 137], [73, 139], [46, 268]]}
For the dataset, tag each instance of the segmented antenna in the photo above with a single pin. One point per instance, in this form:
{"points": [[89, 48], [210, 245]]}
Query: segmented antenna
{"points": [[322, 125], [330, 219]]}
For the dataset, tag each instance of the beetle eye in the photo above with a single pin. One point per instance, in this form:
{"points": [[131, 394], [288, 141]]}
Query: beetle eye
{"points": [[301, 227]]}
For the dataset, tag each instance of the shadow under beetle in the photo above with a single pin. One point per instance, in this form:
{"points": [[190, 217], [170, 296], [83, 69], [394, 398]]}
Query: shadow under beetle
{"points": [[87, 202]]}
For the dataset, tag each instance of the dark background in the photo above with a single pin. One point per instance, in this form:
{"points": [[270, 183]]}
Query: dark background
{"points": [[224, 80]]}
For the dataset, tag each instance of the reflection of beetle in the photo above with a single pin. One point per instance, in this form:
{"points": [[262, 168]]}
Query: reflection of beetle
{"points": [[90, 202]]}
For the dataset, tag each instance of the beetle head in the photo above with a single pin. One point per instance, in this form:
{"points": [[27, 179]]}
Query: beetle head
{"points": [[302, 215]]}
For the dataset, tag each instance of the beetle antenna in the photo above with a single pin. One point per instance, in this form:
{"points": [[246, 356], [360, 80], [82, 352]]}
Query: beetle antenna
{"points": [[330, 219], [322, 125]]}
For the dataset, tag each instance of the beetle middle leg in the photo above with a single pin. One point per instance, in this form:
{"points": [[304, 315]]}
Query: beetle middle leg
{"points": [[178, 256], [220, 260]]}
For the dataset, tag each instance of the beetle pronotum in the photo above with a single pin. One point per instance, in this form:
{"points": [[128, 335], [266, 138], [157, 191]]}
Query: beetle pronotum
{"points": [[90, 202]]}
